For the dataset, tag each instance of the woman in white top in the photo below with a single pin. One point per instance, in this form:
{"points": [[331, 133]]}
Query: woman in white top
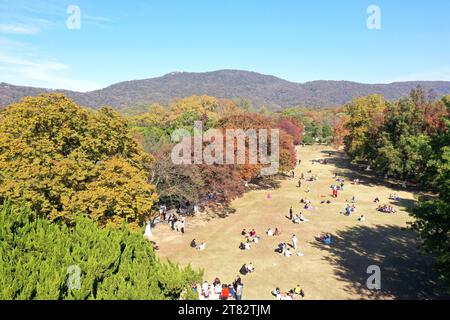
{"points": [[270, 232]]}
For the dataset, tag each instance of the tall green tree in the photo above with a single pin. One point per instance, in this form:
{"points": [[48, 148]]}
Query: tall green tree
{"points": [[366, 118], [433, 214], [41, 260]]}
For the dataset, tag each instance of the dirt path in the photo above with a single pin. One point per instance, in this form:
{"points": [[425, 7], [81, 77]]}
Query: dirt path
{"points": [[336, 272]]}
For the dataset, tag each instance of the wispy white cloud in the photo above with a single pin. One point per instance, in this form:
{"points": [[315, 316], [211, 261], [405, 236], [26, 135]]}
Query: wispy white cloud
{"points": [[40, 72], [22, 63], [18, 28], [96, 19]]}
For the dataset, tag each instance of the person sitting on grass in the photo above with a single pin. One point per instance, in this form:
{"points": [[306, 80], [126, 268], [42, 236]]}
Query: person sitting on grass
{"points": [[386, 209], [270, 232], [243, 270], [302, 218], [193, 244], [276, 293], [201, 246], [252, 233], [244, 232], [298, 291], [362, 218], [277, 232], [280, 248], [288, 296], [377, 200], [297, 219], [394, 196], [325, 238], [244, 245], [250, 268], [288, 252], [348, 210]]}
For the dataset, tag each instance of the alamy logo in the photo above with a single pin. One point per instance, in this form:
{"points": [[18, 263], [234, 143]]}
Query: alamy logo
{"points": [[74, 277], [374, 19], [374, 281], [74, 20], [228, 146]]}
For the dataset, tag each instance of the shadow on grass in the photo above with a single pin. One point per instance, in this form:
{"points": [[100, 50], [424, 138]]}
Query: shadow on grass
{"points": [[220, 210], [405, 273], [266, 183], [349, 172], [224, 209]]}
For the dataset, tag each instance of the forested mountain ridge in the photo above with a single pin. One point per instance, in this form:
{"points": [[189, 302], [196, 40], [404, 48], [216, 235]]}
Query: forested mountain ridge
{"points": [[260, 89]]}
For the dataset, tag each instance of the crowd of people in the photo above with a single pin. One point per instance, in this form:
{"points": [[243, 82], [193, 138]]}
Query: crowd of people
{"points": [[386, 209], [218, 290], [249, 237], [349, 209], [289, 295], [177, 222], [288, 250]]}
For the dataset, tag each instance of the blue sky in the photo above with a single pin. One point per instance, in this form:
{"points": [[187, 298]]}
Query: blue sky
{"points": [[298, 40]]}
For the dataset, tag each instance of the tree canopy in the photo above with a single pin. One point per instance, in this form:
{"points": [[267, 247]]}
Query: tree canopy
{"points": [[50, 261], [409, 139], [66, 160]]}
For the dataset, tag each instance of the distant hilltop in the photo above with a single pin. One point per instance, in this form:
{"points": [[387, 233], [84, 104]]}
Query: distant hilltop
{"points": [[267, 90]]}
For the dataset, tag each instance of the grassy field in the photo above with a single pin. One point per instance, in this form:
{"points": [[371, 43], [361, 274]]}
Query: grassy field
{"points": [[335, 272]]}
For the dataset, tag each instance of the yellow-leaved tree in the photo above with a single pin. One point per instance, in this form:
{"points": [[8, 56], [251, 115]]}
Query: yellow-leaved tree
{"points": [[66, 160]]}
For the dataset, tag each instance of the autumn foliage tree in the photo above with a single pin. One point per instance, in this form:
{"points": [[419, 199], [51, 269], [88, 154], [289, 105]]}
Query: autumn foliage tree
{"points": [[66, 160], [293, 127], [396, 137]]}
